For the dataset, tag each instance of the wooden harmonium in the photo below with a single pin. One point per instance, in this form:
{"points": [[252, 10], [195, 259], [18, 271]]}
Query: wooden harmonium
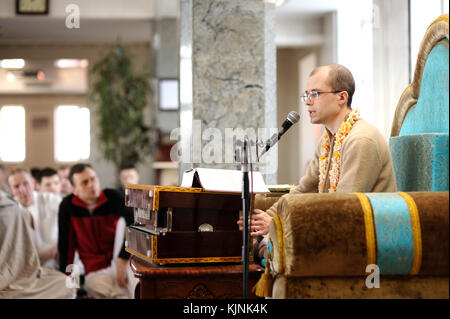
{"points": [[183, 225]]}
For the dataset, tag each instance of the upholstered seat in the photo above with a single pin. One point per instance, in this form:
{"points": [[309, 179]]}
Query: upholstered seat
{"points": [[420, 161], [331, 238], [419, 137]]}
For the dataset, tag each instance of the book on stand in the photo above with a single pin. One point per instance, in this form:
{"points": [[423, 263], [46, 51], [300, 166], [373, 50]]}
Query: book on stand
{"points": [[222, 180]]}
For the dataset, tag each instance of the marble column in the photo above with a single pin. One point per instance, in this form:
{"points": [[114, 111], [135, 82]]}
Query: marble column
{"points": [[227, 81]]}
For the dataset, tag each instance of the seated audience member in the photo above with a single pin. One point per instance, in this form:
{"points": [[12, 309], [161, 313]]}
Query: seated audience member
{"points": [[92, 221], [3, 182], [66, 186], [21, 274], [128, 175], [49, 181], [35, 172], [43, 207]]}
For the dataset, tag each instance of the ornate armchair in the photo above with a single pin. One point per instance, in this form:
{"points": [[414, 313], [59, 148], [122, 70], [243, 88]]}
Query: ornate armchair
{"points": [[334, 245]]}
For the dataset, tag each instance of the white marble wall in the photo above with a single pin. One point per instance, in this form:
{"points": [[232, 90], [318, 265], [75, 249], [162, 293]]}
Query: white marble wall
{"points": [[227, 53], [391, 46]]}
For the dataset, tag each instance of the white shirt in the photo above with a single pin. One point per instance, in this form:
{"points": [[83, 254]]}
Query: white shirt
{"points": [[45, 218]]}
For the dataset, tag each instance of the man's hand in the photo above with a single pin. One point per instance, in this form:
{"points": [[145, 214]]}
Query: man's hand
{"points": [[121, 272], [260, 223], [49, 253], [55, 253]]}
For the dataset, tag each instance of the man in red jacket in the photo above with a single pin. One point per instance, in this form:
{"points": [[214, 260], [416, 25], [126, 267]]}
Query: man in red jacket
{"points": [[92, 221]]}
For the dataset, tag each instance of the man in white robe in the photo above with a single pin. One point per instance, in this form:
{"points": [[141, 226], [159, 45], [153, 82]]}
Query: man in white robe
{"points": [[43, 207], [21, 274]]}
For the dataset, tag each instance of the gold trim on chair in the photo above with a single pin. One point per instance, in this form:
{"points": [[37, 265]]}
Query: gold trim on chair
{"points": [[417, 234], [437, 31], [280, 239], [370, 229]]}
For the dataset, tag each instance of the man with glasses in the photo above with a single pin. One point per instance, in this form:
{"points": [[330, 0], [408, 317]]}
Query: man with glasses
{"points": [[352, 155]]}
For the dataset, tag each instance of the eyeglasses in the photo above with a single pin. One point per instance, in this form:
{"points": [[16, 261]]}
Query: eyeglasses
{"points": [[313, 95]]}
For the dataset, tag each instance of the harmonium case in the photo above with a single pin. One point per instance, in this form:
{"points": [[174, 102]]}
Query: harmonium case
{"points": [[175, 225]]}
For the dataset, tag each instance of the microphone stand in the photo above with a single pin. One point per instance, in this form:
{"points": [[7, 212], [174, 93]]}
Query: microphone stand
{"points": [[244, 157], [245, 213], [246, 199]]}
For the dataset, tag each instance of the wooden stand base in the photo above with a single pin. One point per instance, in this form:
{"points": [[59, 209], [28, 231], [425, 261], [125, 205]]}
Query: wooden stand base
{"points": [[193, 281]]}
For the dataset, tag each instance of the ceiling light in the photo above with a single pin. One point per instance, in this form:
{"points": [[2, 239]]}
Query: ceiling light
{"points": [[71, 63], [12, 63], [10, 77]]}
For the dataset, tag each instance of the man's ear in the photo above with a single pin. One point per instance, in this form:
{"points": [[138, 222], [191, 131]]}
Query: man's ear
{"points": [[74, 190], [343, 97]]}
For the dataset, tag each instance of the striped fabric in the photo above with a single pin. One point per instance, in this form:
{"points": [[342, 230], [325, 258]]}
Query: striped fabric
{"points": [[393, 232]]}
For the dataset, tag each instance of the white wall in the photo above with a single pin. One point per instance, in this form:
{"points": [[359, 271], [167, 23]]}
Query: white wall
{"points": [[423, 13], [309, 134], [292, 31], [289, 77], [391, 67], [355, 51], [328, 50]]}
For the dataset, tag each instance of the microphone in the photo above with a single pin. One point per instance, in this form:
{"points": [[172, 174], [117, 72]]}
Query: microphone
{"points": [[291, 119]]}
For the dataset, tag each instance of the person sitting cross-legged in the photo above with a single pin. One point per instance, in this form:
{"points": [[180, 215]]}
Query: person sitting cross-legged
{"points": [[92, 221], [21, 273], [43, 207]]}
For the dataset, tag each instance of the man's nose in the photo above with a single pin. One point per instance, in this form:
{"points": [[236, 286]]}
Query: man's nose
{"points": [[22, 189]]}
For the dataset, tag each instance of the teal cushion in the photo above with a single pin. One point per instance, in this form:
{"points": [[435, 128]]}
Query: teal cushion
{"points": [[420, 162], [430, 114], [393, 232]]}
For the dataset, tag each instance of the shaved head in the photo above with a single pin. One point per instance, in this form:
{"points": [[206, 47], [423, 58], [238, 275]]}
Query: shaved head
{"points": [[339, 79]]}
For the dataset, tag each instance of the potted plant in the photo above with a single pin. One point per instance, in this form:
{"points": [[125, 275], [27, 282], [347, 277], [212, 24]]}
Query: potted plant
{"points": [[120, 97]]}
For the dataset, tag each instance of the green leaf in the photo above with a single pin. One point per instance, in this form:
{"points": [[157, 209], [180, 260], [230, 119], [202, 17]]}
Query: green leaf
{"points": [[121, 97]]}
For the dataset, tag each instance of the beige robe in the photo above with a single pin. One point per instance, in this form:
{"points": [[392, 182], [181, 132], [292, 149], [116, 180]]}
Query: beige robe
{"points": [[366, 165], [21, 275]]}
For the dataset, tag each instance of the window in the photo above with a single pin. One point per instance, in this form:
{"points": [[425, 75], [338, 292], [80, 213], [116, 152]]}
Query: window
{"points": [[72, 133], [12, 134], [168, 95], [422, 14]]}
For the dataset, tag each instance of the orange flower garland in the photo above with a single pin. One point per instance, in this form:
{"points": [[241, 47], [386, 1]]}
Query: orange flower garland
{"points": [[341, 134]]}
